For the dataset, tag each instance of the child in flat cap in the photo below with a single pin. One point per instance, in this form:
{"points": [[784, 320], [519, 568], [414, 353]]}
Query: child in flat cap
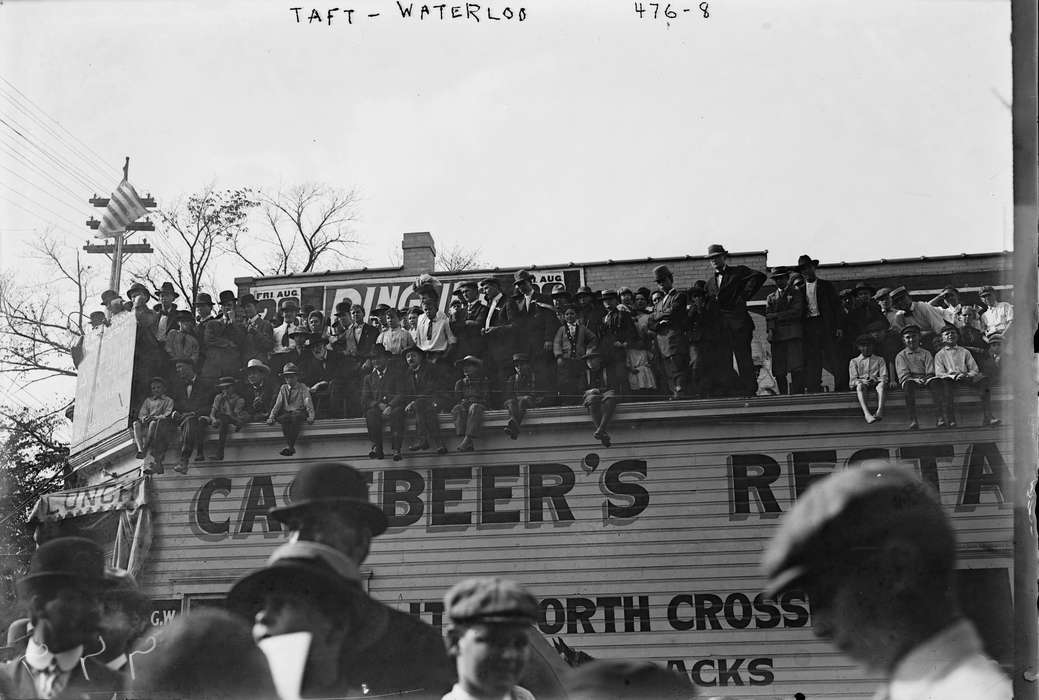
{"points": [[488, 622], [865, 372], [152, 428]]}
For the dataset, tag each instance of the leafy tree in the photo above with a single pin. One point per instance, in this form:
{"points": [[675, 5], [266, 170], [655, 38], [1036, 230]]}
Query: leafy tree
{"points": [[33, 461]]}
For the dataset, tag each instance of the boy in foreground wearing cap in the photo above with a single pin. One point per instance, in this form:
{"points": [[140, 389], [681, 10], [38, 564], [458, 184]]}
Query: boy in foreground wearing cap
{"points": [[954, 366], [487, 623], [865, 372], [292, 407], [914, 367], [876, 554], [151, 429], [472, 392], [61, 592], [228, 413]]}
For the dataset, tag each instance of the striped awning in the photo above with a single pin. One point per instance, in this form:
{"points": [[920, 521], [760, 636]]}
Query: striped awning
{"points": [[122, 494]]}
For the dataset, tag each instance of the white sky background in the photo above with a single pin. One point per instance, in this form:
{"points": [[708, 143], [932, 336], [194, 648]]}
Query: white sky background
{"points": [[847, 130]]}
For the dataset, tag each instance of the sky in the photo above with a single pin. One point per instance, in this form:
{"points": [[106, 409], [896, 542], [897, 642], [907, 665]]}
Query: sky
{"points": [[848, 130]]}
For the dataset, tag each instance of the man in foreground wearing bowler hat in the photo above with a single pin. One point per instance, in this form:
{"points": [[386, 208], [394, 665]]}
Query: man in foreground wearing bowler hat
{"points": [[487, 635], [389, 651], [876, 554], [728, 290], [824, 326], [61, 592], [292, 407]]}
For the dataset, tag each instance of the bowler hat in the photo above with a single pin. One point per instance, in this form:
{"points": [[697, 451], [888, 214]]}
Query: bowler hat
{"points": [[881, 293], [520, 357], [97, 316], [489, 600], [584, 291], [863, 286], [343, 308], [296, 567], [289, 303], [716, 249], [610, 294], [247, 299], [257, 364], [332, 484], [522, 276], [290, 368], [203, 299], [806, 260], [559, 290], [662, 272], [166, 288], [910, 329], [849, 510], [226, 381], [74, 559], [699, 289], [108, 295], [137, 288], [469, 359], [227, 297], [987, 289]]}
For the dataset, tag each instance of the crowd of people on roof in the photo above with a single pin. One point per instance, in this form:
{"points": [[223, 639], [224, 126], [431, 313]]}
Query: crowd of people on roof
{"points": [[218, 366]]}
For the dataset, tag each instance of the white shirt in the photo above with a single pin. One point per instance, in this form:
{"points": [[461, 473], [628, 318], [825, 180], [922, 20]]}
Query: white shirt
{"points": [[812, 295], [949, 666], [50, 671], [490, 310], [517, 693], [998, 317], [434, 333], [279, 334]]}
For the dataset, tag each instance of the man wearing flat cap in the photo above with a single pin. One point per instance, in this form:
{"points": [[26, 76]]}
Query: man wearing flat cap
{"points": [[66, 576], [824, 327], [998, 315], [876, 554], [388, 651], [728, 291], [668, 321]]}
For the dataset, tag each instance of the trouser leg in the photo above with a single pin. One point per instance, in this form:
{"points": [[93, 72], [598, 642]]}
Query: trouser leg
{"points": [[813, 355], [373, 423], [474, 420], [139, 436], [609, 406], [397, 428], [909, 393], [459, 413]]}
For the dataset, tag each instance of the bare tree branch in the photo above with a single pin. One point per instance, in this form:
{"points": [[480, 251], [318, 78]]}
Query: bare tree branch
{"points": [[459, 259]]}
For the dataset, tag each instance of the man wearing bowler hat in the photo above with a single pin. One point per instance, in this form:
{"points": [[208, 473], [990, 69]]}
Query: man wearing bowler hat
{"points": [[66, 576], [166, 309], [223, 338], [728, 290], [283, 348], [534, 327], [258, 341], [668, 321], [824, 327], [876, 554], [496, 334], [192, 400], [389, 651]]}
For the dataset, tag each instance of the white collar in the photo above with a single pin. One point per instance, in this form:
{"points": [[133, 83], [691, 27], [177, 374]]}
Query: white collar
{"points": [[933, 659], [40, 658]]}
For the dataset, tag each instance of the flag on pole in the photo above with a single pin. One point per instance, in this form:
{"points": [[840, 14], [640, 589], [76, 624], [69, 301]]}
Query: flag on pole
{"points": [[124, 207]]}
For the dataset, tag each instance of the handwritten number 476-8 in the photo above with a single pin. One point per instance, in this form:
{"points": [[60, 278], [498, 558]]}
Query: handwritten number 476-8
{"points": [[666, 11]]}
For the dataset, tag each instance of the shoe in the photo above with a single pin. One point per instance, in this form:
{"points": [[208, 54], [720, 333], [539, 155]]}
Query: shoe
{"points": [[991, 421], [512, 429], [287, 452], [396, 456], [419, 446], [878, 418], [441, 450], [604, 438], [181, 468], [140, 455], [146, 469], [374, 453], [218, 456], [466, 446], [913, 425], [951, 423], [940, 423], [157, 468], [200, 457]]}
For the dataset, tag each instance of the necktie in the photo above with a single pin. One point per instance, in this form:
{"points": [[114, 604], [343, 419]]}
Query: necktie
{"points": [[53, 681], [429, 330], [285, 336]]}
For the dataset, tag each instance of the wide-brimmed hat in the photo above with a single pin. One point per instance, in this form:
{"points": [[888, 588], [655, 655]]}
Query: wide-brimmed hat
{"points": [[584, 291], [662, 272], [289, 303], [716, 249], [203, 299], [299, 333], [257, 364], [137, 288], [295, 567], [806, 260], [166, 288], [247, 299], [108, 295], [289, 368], [469, 359], [332, 484], [75, 559], [522, 276]]}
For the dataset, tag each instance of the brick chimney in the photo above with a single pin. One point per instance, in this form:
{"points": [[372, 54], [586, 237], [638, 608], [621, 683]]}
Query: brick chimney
{"points": [[420, 253]]}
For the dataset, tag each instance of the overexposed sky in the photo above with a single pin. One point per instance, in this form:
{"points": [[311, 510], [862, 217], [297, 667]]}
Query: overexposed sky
{"points": [[845, 129]]}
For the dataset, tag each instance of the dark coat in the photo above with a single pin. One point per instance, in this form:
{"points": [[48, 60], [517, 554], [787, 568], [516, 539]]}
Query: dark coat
{"points": [[259, 400], [499, 340], [384, 389], [16, 681], [422, 384], [739, 284], [201, 399], [259, 339], [529, 326], [784, 315], [468, 329], [617, 327], [830, 308], [668, 320]]}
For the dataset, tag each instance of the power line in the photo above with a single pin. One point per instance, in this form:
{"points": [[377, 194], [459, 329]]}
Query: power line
{"points": [[43, 172], [71, 170], [46, 192], [50, 130], [36, 203]]}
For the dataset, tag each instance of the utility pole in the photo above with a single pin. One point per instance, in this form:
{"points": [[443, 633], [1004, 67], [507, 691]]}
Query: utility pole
{"points": [[119, 248]]}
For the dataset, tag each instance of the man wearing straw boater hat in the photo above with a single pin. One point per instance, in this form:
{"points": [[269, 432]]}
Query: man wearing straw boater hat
{"points": [[61, 592]]}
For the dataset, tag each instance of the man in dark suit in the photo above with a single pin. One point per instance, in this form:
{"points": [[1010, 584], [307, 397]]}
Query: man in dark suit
{"points": [[533, 330], [729, 289], [496, 331], [61, 592], [420, 387], [192, 399], [668, 321], [382, 403], [469, 321], [823, 328]]}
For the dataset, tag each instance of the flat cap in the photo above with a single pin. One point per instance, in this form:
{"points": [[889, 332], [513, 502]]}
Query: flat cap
{"points": [[857, 508], [911, 328], [490, 600], [881, 293]]}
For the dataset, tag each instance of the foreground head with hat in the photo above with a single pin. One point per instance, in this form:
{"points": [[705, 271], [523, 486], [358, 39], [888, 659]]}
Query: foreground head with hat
{"points": [[329, 510], [876, 554], [61, 593], [125, 616], [487, 635]]}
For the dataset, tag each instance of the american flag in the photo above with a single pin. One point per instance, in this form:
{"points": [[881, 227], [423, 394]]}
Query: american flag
{"points": [[124, 206]]}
